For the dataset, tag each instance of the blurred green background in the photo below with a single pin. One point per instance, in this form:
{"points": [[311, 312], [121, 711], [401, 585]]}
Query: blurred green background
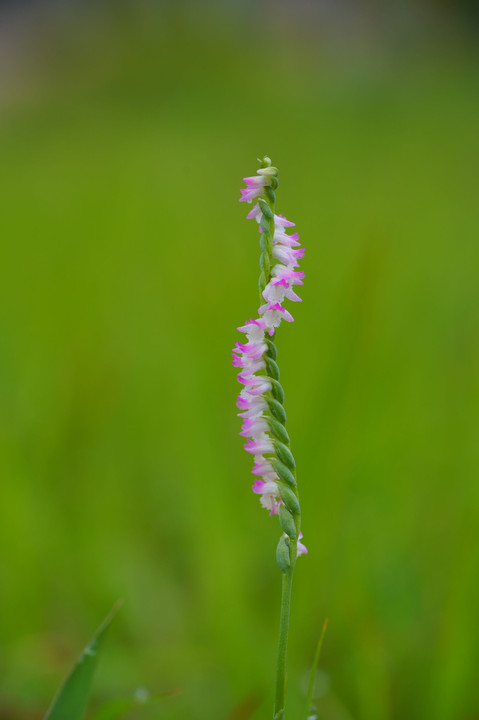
{"points": [[126, 265]]}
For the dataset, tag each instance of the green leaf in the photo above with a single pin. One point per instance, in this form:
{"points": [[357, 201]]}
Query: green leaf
{"points": [[283, 472], [282, 555], [289, 499], [276, 409], [272, 368], [71, 700], [278, 430], [266, 210], [287, 522], [284, 454], [278, 392], [273, 353]]}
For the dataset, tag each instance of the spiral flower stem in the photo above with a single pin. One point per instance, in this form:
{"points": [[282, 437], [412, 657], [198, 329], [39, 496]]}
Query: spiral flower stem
{"points": [[262, 399], [283, 463]]}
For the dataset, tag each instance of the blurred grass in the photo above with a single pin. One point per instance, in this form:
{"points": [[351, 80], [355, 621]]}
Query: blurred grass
{"points": [[126, 266]]}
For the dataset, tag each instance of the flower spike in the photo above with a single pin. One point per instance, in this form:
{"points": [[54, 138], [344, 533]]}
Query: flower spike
{"points": [[261, 399]]}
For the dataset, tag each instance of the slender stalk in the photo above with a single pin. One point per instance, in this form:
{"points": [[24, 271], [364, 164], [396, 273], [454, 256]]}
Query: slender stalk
{"points": [[262, 397], [287, 582], [309, 697]]}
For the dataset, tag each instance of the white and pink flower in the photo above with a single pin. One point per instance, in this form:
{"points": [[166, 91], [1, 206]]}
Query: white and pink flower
{"points": [[248, 356], [254, 187]]}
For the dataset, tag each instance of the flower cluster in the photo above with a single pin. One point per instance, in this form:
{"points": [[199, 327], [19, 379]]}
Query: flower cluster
{"points": [[250, 356]]}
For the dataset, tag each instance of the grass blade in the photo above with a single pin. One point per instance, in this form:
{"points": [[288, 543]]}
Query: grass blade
{"points": [[71, 700], [317, 654]]}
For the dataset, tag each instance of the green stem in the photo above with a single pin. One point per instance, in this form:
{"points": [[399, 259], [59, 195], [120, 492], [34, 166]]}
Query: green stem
{"points": [[309, 697], [287, 582], [289, 515]]}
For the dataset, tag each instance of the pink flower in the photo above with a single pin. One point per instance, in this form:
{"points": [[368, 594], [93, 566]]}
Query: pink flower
{"points": [[250, 365], [262, 467], [271, 501], [254, 187], [284, 239], [287, 256], [255, 213], [249, 194], [255, 385], [281, 221], [273, 313], [269, 495], [252, 427], [252, 349], [302, 549], [294, 277], [254, 330], [261, 445], [256, 181], [276, 290]]}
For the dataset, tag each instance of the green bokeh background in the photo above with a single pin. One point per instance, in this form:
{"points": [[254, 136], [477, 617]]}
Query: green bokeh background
{"points": [[126, 265]]}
